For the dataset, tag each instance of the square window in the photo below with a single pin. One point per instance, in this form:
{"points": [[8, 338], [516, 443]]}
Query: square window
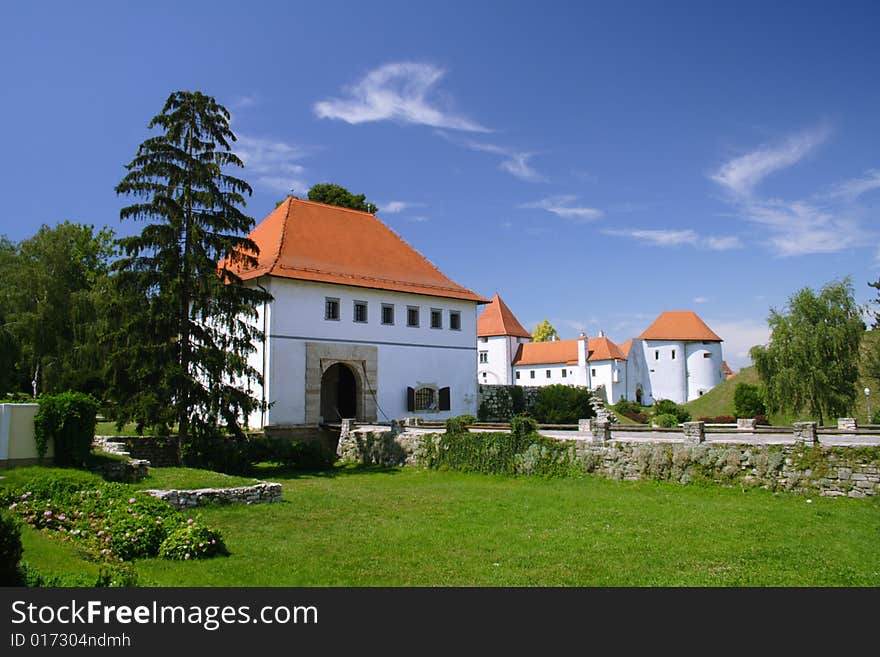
{"points": [[360, 312], [425, 399], [436, 318], [454, 320], [331, 308], [412, 316], [387, 314], [706, 354]]}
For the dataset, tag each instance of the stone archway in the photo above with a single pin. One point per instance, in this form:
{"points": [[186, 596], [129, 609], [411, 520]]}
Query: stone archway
{"points": [[360, 362], [639, 396], [339, 394]]}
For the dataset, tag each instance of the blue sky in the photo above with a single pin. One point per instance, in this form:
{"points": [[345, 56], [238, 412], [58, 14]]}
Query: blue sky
{"points": [[593, 163]]}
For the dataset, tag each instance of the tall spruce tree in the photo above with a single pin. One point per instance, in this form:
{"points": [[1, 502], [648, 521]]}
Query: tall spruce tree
{"points": [[186, 321]]}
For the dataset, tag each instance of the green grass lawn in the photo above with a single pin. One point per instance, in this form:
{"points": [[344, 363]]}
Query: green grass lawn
{"points": [[408, 527], [183, 478]]}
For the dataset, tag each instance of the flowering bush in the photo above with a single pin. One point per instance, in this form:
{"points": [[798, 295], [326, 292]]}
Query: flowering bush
{"points": [[192, 541], [108, 520]]}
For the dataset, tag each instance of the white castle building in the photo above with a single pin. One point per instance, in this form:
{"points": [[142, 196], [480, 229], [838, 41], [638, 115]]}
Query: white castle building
{"points": [[361, 326], [677, 357]]}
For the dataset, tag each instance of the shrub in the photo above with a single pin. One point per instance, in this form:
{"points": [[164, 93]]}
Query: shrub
{"points": [[192, 541], [876, 417], [10, 550], [666, 420], [747, 401], [218, 452], [625, 407], [522, 426], [459, 424], [562, 404], [68, 420], [669, 407]]}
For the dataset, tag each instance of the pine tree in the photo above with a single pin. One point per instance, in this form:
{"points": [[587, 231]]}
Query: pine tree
{"points": [[186, 321]]}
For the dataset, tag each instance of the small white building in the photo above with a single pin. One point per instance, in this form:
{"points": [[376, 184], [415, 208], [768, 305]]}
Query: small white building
{"points": [[677, 357], [361, 325]]}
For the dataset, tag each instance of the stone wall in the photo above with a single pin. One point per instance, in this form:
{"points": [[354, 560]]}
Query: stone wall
{"points": [[129, 472], [497, 403], [160, 451], [803, 468], [187, 499]]}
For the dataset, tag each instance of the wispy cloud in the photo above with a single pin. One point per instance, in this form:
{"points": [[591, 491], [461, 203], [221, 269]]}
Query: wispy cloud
{"points": [[801, 227], [669, 238], [419, 219], [396, 207], [739, 337], [396, 91], [563, 206], [515, 162], [242, 102], [271, 164], [742, 174], [700, 299], [850, 190]]}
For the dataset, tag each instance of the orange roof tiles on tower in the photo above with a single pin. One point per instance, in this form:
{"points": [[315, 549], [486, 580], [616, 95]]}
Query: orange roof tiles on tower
{"points": [[679, 325], [311, 241], [497, 319]]}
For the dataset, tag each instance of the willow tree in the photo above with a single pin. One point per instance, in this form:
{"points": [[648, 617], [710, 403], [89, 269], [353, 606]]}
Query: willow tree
{"points": [[811, 362], [185, 319]]}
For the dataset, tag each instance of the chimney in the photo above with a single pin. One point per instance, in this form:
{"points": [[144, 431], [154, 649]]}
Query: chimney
{"points": [[583, 349], [601, 334]]}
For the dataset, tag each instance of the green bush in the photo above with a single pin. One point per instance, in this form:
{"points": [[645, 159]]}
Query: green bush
{"points": [[669, 407], [192, 541], [218, 452], [626, 407], [747, 401], [10, 550], [305, 455], [68, 420], [523, 426], [562, 404], [666, 420], [459, 423], [876, 417]]}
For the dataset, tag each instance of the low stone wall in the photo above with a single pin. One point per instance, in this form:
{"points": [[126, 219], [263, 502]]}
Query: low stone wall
{"points": [[160, 451], [804, 468], [187, 499], [129, 472], [500, 403]]}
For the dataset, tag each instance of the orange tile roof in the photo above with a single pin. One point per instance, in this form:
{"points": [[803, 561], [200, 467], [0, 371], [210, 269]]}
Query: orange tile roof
{"points": [[311, 241], [541, 353], [625, 347], [604, 349], [679, 325], [497, 319]]}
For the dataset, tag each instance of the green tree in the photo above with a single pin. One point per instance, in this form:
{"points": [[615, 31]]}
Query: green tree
{"points": [[331, 194], [747, 401], [871, 348], [51, 299], [186, 320], [811, 362], [544, 332]]}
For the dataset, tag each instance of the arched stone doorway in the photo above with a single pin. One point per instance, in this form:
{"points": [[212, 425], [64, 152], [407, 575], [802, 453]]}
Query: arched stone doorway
{"points": [[639, 395], [339, 394]]}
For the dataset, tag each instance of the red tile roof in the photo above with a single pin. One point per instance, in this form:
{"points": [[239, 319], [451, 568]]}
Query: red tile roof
{"points": [[542, 353], [497, 319], [679, 325], [604, 349], [625, 347], [310, 241]]}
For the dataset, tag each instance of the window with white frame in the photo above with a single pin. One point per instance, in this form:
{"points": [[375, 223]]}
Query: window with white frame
{"points": [[484, 356], [387, 314], [412, 316]]}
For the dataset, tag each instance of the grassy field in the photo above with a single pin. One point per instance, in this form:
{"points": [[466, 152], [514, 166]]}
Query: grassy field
{"points": [[407, 527]]}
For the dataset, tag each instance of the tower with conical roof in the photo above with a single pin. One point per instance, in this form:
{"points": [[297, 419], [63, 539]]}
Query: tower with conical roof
{"points": [[499, 335]]}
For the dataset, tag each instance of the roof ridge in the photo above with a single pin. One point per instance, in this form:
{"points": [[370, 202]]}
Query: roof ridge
{"points": [[283, 234], [330, 205]]}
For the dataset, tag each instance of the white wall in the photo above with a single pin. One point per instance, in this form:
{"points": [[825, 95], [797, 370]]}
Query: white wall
{"points": [[636, 374], [703, 373], [407, 356], [605, 370], [666, 374], [500, 351], [575, 375]]}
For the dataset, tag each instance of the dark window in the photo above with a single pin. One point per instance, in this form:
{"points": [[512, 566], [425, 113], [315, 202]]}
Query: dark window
{"points": [[360, 311], [706, 354], [425, 399], [445, 399], [593, 372], [331, 308], [532, 374], [387, 313], [517, 375], [412, 315], [484, 356], [455, 320], [564, 373], [436, 318], [548, 374], [673, 354], [656, 354]]}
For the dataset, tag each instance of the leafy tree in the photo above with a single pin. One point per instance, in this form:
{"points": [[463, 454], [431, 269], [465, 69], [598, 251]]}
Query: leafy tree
{"points": [[669, 407], [747, 401], [331, 194], [186, 320], [51, 301], [812, 360], [544, 332]]}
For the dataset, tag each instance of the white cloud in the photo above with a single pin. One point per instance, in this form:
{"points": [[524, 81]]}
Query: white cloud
{"points": [[661, 237], [271, 164], [700, 299], [395, 91], [739, 337], [801, 228], [244, 101], [396, 207], [516, 163], [562, 206], [850, 190], [420, 219], [742, 174]]}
